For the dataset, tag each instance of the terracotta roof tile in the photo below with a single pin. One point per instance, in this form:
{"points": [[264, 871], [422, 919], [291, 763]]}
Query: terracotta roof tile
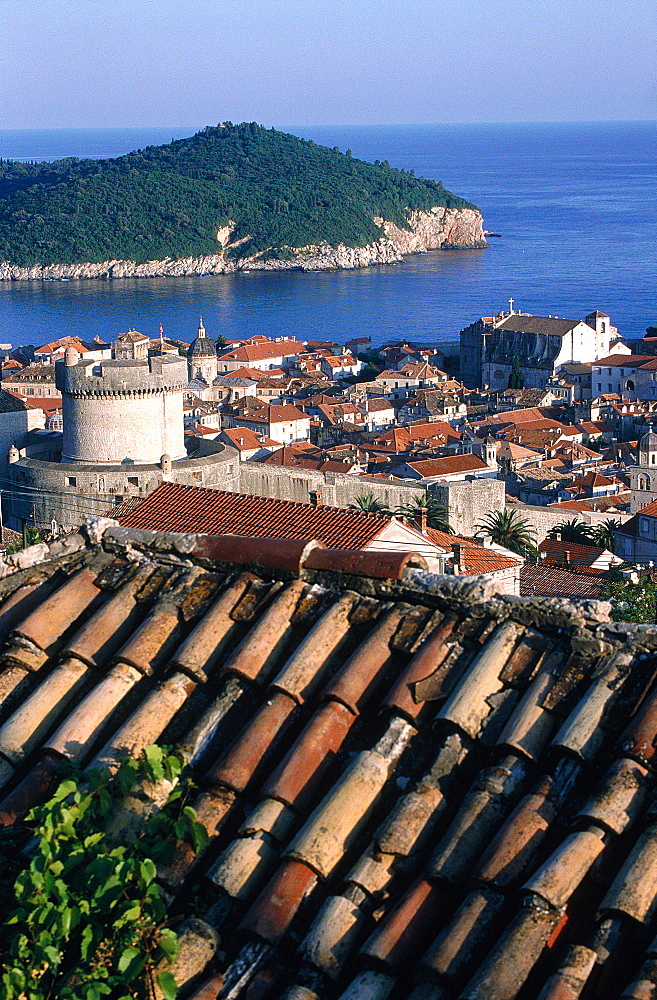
{"points": [[551, 581], [412, 787], [173, 507], [449, 465]]}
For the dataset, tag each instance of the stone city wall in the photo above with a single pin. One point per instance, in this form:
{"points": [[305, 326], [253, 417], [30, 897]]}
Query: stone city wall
{"points": [[157, 374], [336, 489], [468, 501], [544, 518], [69, 493]]}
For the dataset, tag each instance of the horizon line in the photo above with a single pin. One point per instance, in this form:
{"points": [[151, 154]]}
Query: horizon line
{"points": [[556, 121]]}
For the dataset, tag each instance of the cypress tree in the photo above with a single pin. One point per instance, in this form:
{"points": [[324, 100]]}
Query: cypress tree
{"points": [[516, 378]]}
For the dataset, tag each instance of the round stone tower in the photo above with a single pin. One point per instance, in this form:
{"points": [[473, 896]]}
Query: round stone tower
{"points": [[122, 411], [202, 357]]}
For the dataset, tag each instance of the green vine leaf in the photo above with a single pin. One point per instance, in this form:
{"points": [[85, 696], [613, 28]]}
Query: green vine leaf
{"points": [[87, 917], [168, 985]]}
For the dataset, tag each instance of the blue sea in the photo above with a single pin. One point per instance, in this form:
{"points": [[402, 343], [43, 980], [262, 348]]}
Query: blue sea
{"points": [[574, 205]]}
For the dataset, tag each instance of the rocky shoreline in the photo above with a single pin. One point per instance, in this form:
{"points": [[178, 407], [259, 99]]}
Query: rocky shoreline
{"points": [[438, 229]]}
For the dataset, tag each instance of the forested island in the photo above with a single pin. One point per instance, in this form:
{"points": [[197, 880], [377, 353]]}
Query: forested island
{"points": [[231, 195]]}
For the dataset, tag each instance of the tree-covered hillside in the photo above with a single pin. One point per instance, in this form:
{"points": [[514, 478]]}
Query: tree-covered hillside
{"points": [[169, 201]]}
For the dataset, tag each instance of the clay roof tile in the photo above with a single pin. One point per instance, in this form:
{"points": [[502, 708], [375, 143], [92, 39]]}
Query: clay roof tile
{"points": [[375, 764]]}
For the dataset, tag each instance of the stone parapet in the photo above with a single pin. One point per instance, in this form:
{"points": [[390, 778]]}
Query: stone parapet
{"points": [[122, 378]]}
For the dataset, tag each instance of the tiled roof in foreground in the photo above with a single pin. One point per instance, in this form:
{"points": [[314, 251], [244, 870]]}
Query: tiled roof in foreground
{"points": [[177, 507], [412, 789]]}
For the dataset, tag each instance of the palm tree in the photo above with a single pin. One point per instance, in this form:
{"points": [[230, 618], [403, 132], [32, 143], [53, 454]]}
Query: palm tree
{"points": [[508, 528], [605, 533], [436, 512], [573, 531], [367, 503]]}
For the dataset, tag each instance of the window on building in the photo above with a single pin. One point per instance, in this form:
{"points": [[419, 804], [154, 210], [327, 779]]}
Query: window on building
{"points": [[599, 386], [197, 477], [610, 387], [133, 480], [71, 481]]}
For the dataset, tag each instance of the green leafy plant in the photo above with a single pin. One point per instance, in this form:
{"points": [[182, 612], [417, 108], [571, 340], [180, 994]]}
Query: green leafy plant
{"points": [[437, 513], [34, 536], [630, 601], [271, 189], [604, 534], [573, 530], [87, 919], [368, 503], [516, 378], [510, 529]]}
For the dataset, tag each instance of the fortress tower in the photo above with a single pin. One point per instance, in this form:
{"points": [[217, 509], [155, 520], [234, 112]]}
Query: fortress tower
{"points": [[123, 433], [122, 411]]}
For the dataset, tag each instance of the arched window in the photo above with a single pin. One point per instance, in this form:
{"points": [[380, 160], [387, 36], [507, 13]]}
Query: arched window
{"points": [[643, 483]]}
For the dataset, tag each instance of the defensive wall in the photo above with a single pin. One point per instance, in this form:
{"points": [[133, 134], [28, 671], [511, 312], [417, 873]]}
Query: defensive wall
{"points": [[335, 489], [69, 493], [468, 501], [544, 518]]}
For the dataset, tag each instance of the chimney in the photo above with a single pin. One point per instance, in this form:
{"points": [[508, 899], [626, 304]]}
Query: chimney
{"points": [[421, 519], [566, 557], [315, 497], [457, 561]]}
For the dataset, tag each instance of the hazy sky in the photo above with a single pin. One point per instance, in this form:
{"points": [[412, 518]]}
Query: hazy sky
{"points": [[94, 63]]}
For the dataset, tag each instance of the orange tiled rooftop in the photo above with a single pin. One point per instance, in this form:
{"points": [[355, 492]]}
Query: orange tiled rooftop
{"points": [[413, 788]]}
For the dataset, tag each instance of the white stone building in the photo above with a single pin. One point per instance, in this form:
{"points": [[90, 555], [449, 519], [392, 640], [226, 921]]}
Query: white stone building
{"points": [[284, 424], [542, 344], [624, 375]]}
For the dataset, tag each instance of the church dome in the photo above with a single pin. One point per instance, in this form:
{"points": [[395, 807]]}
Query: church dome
{"points": [[201, 347], [648, 448]]}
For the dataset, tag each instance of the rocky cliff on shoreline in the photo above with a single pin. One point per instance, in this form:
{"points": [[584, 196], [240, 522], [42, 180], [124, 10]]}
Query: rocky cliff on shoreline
{"points": [[439, 228]]}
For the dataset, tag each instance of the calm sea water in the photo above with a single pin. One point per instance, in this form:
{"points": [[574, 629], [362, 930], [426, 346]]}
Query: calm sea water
{"points": [[574, 204]]}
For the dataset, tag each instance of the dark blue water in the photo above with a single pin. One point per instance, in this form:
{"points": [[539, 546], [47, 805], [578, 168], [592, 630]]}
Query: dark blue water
{"points": [[575, 204]]}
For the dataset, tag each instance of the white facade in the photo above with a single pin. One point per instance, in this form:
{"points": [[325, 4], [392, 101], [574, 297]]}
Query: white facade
{"points": [[278, 427], [398, 537]]}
